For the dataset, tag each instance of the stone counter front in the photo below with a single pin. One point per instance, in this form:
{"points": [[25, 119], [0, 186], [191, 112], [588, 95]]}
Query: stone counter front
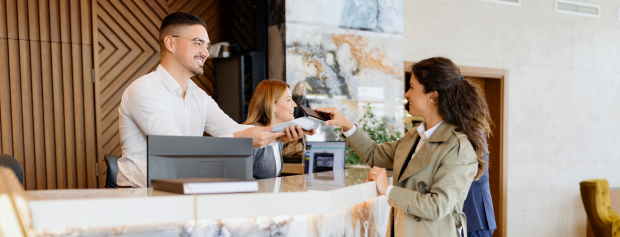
{"points": [[335, 203]]}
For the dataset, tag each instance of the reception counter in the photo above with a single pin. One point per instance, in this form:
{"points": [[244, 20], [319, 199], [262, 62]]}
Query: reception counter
{"points": [[335, 203]]}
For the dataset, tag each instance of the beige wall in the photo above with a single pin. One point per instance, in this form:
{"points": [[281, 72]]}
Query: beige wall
{"points": [[563, 96]]}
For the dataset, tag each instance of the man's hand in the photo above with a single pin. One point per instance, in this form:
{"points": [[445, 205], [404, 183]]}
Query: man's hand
{"points": [[293, 133], [338, 118], [261, 136]]}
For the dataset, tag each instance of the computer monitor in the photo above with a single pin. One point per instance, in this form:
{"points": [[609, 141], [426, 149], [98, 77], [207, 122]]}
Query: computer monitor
{"points": [[170, 157], [324, 156]]}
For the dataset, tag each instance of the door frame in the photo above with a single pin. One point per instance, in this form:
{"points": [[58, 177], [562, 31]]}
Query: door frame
{"points": [[500, 132]]}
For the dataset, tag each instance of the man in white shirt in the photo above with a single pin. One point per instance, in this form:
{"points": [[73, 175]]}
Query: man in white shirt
{"points": [[168, 102]]}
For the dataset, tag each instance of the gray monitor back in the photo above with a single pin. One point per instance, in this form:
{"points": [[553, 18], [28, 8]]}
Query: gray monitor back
{"points": [[171, 157]]}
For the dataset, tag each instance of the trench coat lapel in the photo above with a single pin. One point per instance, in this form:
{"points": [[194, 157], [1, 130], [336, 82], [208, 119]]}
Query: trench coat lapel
{"points": [[404, 148], [418, 162], [423, 157]]}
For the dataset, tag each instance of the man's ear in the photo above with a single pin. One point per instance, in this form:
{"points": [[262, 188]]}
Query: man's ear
{"points": [[169, 44]]}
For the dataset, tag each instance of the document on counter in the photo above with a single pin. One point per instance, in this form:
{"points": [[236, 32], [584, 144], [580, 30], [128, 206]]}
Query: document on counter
{"points": [[205, 185]]}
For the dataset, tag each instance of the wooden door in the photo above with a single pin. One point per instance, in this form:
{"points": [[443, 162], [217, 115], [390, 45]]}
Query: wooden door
{"points": [[492, 89]]}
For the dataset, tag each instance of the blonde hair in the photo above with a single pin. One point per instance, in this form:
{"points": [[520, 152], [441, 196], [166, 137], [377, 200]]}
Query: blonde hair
{"points": [[267, 93]]}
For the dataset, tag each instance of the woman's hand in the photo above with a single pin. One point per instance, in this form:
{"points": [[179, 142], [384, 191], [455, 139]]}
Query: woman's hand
{"points": [[338, 118], [380, 176], [292, 133], [261, 136]]}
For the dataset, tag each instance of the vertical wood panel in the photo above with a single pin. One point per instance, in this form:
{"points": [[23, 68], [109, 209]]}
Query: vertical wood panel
{"points": [[67, 87], [26, 94], [59, 124], [48, 99], [15, 82], [89, 98], [5, 88], [47, 110], [37, 95], [2, 72], [78, 96], [97, 89]]}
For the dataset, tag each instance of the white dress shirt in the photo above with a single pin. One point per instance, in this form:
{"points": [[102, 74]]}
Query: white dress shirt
{"points": [[275, 145], [424, 135], [152, 105]]}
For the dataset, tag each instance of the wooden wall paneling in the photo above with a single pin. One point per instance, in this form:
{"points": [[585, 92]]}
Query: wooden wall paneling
{"points": [[78, 96], [37, 95], [15, 82], [26, 94], [149, 21], [67, 89], [89, 97], [105, 49], [243, 21], [128, 34], [57, 78], [5, 86], [127, 28], [48, 98], [213, 14], [47, 112], [101, 168], [176, 5], [155, 9]]}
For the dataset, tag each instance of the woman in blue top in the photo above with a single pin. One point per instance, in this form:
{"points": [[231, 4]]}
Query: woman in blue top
{"points": [[271, 104], [478, 206]]}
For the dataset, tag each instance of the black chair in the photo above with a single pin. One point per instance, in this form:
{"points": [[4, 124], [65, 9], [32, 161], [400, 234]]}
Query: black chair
{"points": [[10, 162], [110, 177]]}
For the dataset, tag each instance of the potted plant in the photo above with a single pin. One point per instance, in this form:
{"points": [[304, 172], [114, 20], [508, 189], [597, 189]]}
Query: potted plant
{"points": [[379, 130]]}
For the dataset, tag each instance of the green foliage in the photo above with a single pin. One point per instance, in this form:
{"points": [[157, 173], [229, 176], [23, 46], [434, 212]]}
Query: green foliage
{"points": [[379, 130]]}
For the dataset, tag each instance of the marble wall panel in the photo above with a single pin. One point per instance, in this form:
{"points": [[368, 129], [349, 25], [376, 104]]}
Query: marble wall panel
{"points": [[379, 16], [346, 69], [350, 52]]}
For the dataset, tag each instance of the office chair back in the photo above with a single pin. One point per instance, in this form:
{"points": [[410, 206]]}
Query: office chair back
{"points": [[112, 163], [11, 163], [604, 221]]}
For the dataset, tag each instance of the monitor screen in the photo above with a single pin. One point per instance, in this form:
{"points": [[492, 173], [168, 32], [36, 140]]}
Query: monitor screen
{"points": [[325, 156]]}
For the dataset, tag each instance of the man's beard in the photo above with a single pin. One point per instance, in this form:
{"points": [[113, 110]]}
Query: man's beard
{"points": [[197, 71]]}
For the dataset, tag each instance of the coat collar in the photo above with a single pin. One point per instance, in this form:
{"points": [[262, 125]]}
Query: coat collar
{"points": [[423, 157], [443, 132]]}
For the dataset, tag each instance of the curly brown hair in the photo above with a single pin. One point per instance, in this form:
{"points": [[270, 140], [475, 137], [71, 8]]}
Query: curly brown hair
{"points": [[459, 102]]}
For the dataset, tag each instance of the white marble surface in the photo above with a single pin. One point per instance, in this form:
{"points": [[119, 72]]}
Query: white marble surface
{"points": [[302, 198]]}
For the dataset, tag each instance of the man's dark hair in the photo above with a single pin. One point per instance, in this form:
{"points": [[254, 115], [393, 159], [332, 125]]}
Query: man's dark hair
{"points": [[178, 19]]}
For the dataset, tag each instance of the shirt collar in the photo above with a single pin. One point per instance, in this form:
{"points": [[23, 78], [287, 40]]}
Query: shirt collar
{"points": [[425, 134], [173, 85]]}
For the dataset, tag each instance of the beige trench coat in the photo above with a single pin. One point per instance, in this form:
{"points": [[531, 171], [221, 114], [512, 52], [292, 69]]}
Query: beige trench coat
{"points": [[428, 199]]}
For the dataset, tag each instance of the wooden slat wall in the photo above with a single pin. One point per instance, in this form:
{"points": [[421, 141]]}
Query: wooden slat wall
{"points": [[47, 119], [54, 119], [126, 46]]}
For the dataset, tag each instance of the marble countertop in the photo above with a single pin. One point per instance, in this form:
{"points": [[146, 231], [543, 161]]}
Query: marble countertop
{"points": [[291, 195]]}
